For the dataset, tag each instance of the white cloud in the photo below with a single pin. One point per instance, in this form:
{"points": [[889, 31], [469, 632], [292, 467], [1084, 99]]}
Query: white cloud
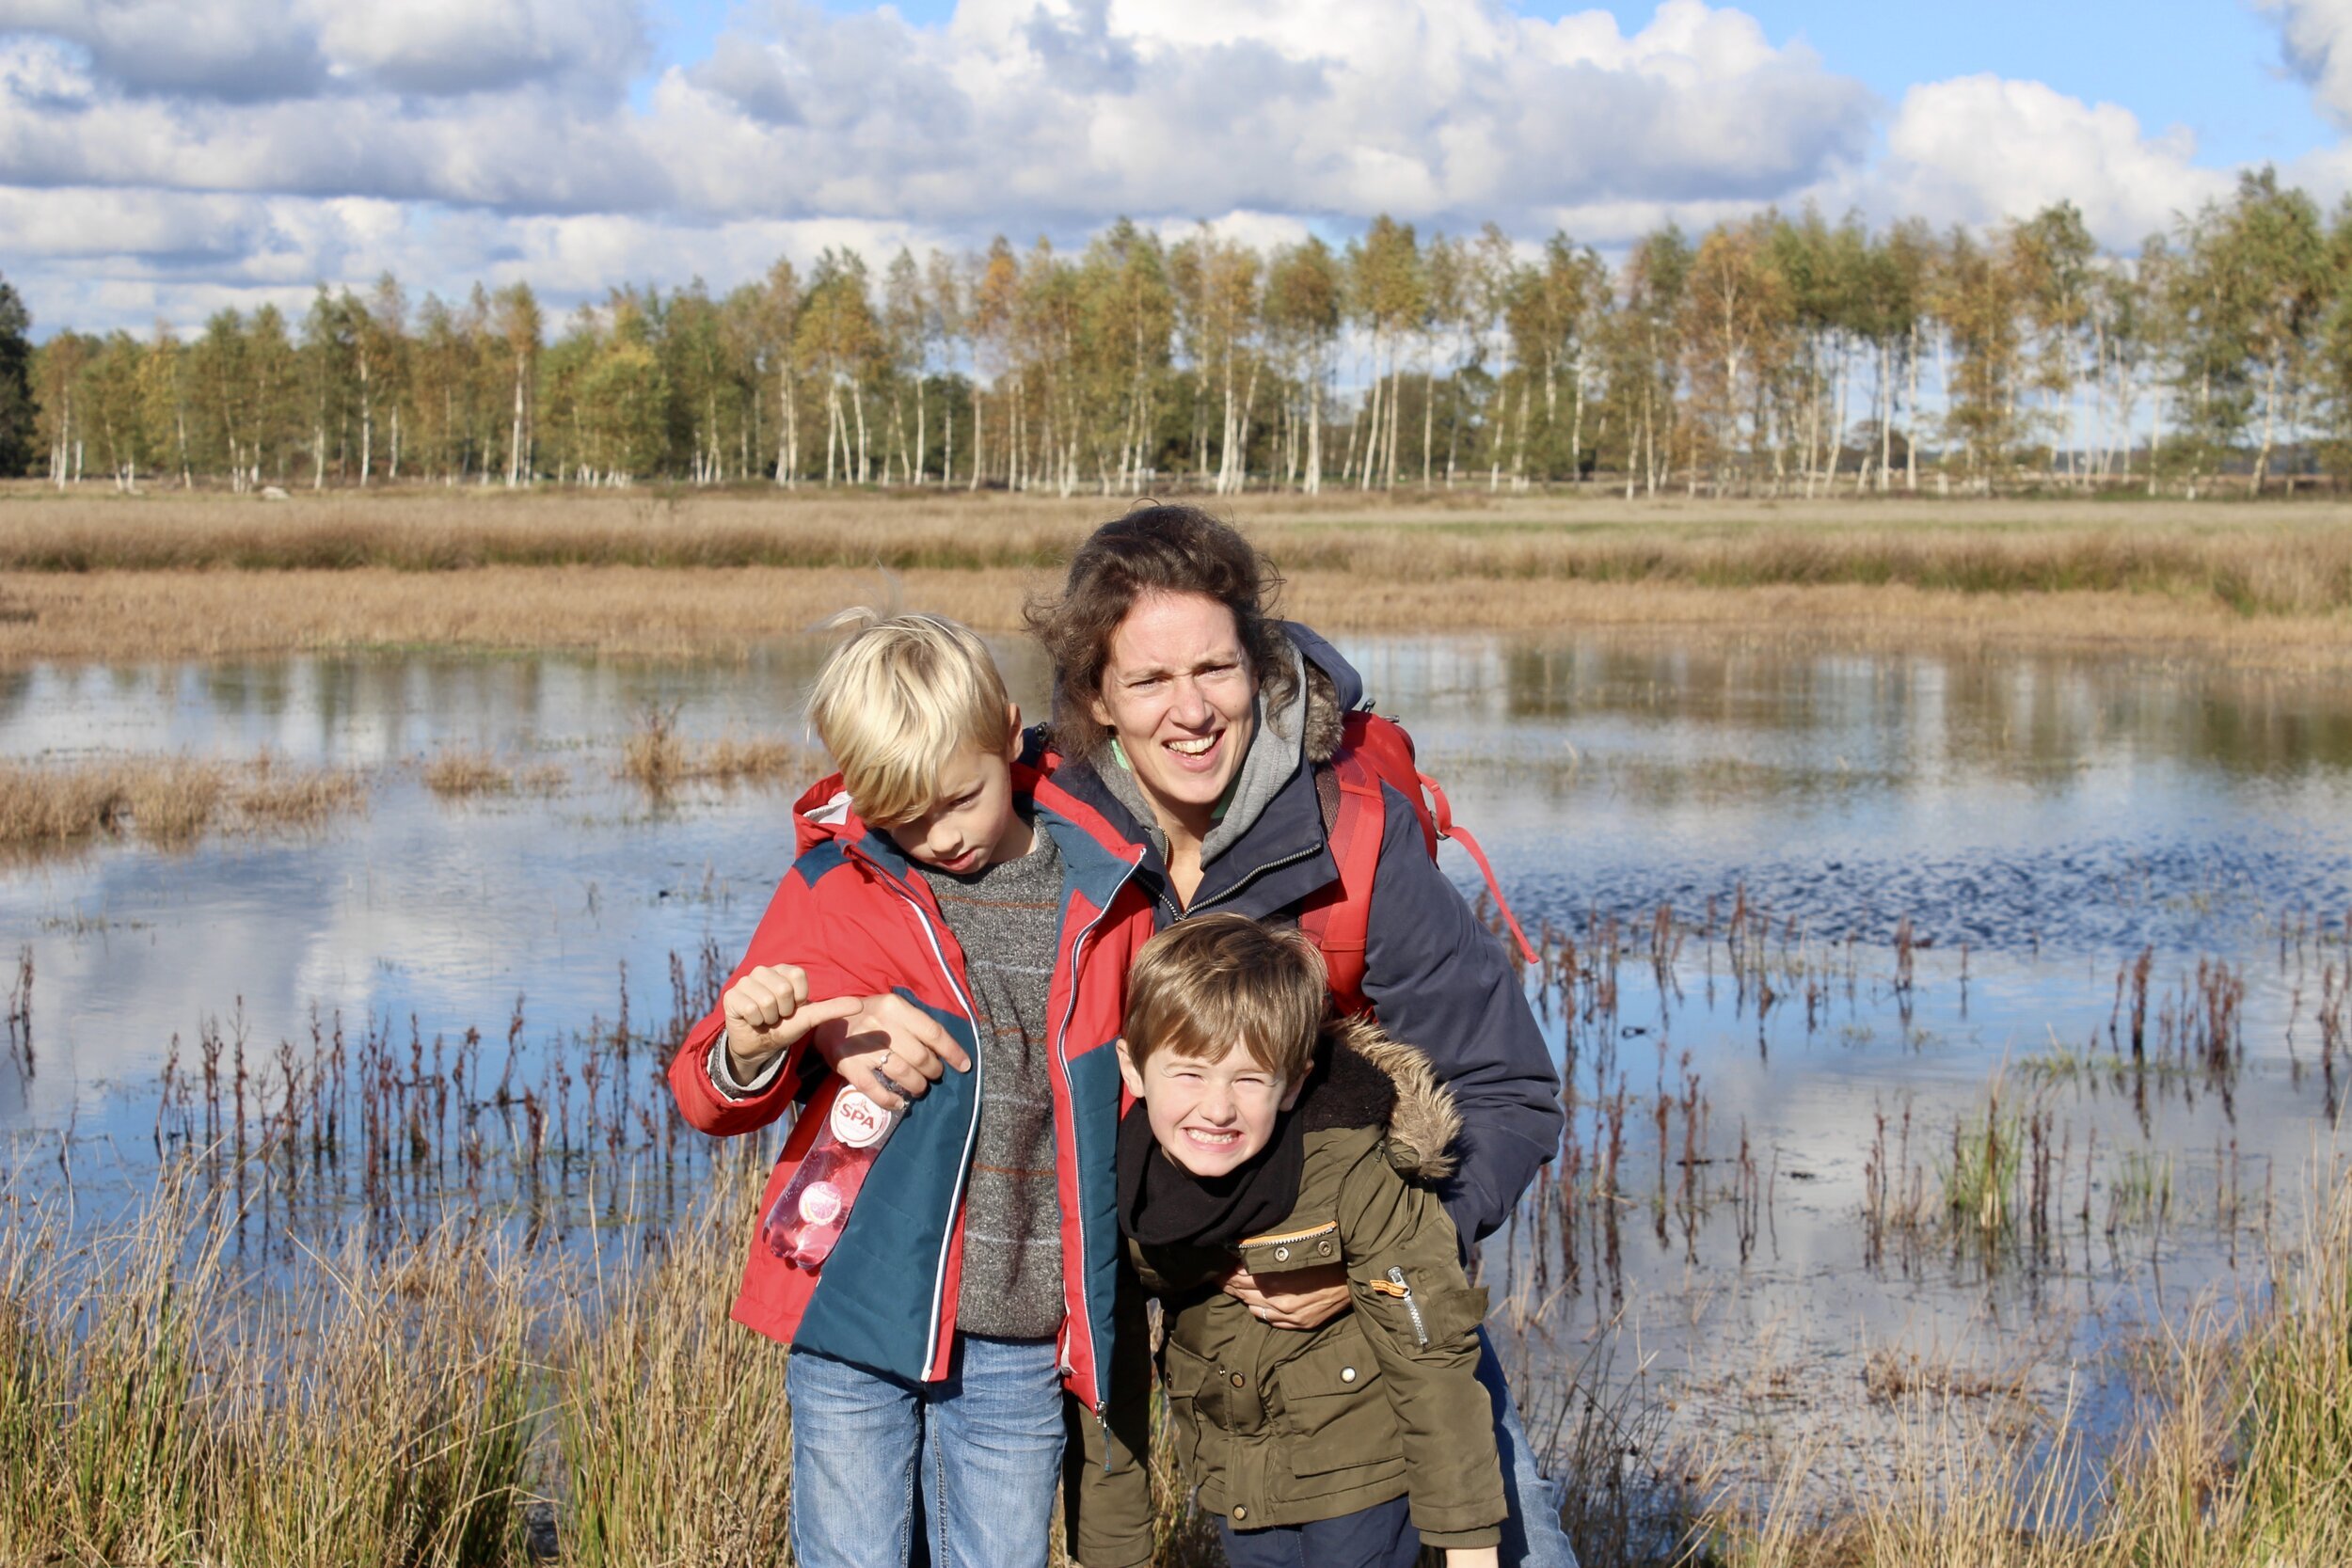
{"points": [[1980, 149], [258, 51], [156, 156], [2315, 37]]}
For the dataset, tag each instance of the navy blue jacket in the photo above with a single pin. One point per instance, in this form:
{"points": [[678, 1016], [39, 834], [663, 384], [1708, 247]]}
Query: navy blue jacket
{"points": [[1435, 978]]}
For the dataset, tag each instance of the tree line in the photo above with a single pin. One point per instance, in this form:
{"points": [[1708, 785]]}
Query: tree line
{"points": [[1774, 354]]}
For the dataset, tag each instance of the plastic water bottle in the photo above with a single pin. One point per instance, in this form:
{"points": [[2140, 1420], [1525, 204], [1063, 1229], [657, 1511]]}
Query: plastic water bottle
{"points": [[810, 1214]]}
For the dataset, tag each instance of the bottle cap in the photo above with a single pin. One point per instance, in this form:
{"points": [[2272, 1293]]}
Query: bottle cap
{"points": [[820, 1203], [857, 1122]]}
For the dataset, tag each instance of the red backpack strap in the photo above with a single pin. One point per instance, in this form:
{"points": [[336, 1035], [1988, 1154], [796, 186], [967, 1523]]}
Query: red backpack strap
{"points": [[1441, 818], [1337, 919]]}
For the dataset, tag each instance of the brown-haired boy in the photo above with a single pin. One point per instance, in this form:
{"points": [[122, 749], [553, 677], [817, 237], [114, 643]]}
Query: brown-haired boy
{"points": [[1266, 1134]]}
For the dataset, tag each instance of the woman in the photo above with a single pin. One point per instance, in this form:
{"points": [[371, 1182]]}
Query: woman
{"points": [[1201, 730]]}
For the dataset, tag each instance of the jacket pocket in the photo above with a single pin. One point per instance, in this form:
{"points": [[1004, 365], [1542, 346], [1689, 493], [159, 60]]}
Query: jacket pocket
{"points": [[1334, 1407], [1312, 1247], [1194, 1397]]}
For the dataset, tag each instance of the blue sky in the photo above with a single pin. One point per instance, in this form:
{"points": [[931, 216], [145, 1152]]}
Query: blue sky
{"points": [[165, 158]]}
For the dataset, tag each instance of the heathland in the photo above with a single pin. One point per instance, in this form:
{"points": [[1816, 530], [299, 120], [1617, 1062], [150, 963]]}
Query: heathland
{"points": [[700, 574]]}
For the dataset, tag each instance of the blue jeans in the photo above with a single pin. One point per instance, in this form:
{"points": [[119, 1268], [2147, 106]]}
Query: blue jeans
{"points": [[1532, 1536], [984, 1446]]}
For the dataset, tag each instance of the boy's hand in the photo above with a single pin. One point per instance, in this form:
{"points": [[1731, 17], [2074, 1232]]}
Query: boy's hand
{"points": [[1307, 1298], [1473, 1557], [889, 1050], [769, 1011]]}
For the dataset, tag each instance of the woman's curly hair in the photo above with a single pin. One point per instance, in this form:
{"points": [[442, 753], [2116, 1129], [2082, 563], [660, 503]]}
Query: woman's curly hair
{"points": [[1155, 548]]}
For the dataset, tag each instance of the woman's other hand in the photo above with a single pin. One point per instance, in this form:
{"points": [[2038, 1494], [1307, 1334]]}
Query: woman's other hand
{"points": [[888, 1050]]}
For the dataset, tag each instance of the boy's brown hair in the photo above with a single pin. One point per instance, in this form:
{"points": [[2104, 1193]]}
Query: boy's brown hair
{"points": [[1205, 983]]}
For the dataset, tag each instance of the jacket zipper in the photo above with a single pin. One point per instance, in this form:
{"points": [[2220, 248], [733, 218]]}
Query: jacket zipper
{"points": [[1061, 1060], [1240, 886], [1412, 1309], [971, 1131]]}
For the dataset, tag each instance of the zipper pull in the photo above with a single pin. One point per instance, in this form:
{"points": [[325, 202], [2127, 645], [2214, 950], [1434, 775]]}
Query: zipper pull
{"points": [[1412, 1309]]}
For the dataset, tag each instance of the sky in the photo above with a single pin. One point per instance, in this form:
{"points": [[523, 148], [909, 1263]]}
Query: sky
{"points": [[165, 159]]}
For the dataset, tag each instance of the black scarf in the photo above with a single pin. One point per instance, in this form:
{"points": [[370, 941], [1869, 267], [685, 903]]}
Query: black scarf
{"points": [[1162, 1204]]}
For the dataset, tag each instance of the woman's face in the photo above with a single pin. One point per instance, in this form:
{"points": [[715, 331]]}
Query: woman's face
{"points": [[1179, 694]]}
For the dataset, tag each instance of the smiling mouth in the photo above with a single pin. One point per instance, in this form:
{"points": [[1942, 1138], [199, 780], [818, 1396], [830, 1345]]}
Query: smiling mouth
{"points": [[1195, 748], [1213, 1139]]}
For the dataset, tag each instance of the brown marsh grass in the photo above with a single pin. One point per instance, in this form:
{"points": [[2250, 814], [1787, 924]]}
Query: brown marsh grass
{"points": [[165, 801], [93, 579], [2238, 1453], [456, 770], [659, 759], [404, 1405]]}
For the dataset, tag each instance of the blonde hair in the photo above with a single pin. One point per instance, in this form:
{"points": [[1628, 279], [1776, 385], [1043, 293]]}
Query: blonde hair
{"points": [[1206, 983], [897, 700]]}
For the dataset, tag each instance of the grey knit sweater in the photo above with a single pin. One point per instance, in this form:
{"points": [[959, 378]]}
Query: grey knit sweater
{"points": [[1007, 919]]}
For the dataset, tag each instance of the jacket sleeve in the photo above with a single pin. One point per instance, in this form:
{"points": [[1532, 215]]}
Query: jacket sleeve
{"points": [[795, 930], [1106, 1471], [1421, 1316], [1440, 981]]}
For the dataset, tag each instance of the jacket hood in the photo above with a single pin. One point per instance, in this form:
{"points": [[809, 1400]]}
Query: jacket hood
{"points": [[1333, 688], [823, 813], [1369, 1080]]}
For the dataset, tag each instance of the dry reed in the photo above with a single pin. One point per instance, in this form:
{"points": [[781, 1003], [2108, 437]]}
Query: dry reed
{"points": [[669, 1406], [2280, 559], [161, 1409], [659, 759], [2236, 1454], [164, 801], [207, 576], [637, 613], [458, 770]]}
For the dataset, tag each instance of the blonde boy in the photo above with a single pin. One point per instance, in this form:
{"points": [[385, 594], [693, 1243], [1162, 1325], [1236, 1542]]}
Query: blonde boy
{"points": [[952, 939]]}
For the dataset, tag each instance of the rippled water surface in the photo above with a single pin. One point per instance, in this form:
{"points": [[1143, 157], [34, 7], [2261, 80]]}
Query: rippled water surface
{"points": [[1818, 925]]}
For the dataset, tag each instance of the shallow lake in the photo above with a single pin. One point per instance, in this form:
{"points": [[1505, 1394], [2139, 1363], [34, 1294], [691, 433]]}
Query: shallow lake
{"points": [[1833, 944]]}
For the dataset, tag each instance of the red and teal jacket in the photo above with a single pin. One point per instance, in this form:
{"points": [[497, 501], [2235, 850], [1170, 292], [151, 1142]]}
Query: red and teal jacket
{"points": [[851, 913]]}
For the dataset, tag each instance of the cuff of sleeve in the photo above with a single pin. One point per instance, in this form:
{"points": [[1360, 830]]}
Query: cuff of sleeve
{"points": [[723, 1080], [1490, 1535], [1134, 1554]]}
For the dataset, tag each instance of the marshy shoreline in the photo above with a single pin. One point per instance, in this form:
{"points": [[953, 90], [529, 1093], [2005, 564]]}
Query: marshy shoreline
{"points": [[103, 578]]}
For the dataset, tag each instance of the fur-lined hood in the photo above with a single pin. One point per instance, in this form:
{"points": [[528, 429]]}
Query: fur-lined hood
{"points": [[1365, 1078]]}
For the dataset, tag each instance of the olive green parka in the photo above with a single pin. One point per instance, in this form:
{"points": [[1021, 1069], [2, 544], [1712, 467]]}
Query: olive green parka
{"points": [[1278, 1425]]}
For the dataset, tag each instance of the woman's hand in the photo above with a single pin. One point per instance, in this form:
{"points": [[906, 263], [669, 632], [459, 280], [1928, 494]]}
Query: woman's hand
{"points": [[1305, 1298], [1473, 1557], [888, 1049], [767, 1012]]}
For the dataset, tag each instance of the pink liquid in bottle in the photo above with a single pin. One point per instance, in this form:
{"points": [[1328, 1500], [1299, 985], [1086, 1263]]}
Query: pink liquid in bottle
{"points": [[810, 1214]]}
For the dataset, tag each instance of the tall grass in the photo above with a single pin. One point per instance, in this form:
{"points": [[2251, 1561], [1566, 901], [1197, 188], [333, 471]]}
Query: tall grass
{"points": [[2272, 561], [2236, 1454], [165, 800], [159, 1409], [398, 1408], [672, 1443], [658, 758]]}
